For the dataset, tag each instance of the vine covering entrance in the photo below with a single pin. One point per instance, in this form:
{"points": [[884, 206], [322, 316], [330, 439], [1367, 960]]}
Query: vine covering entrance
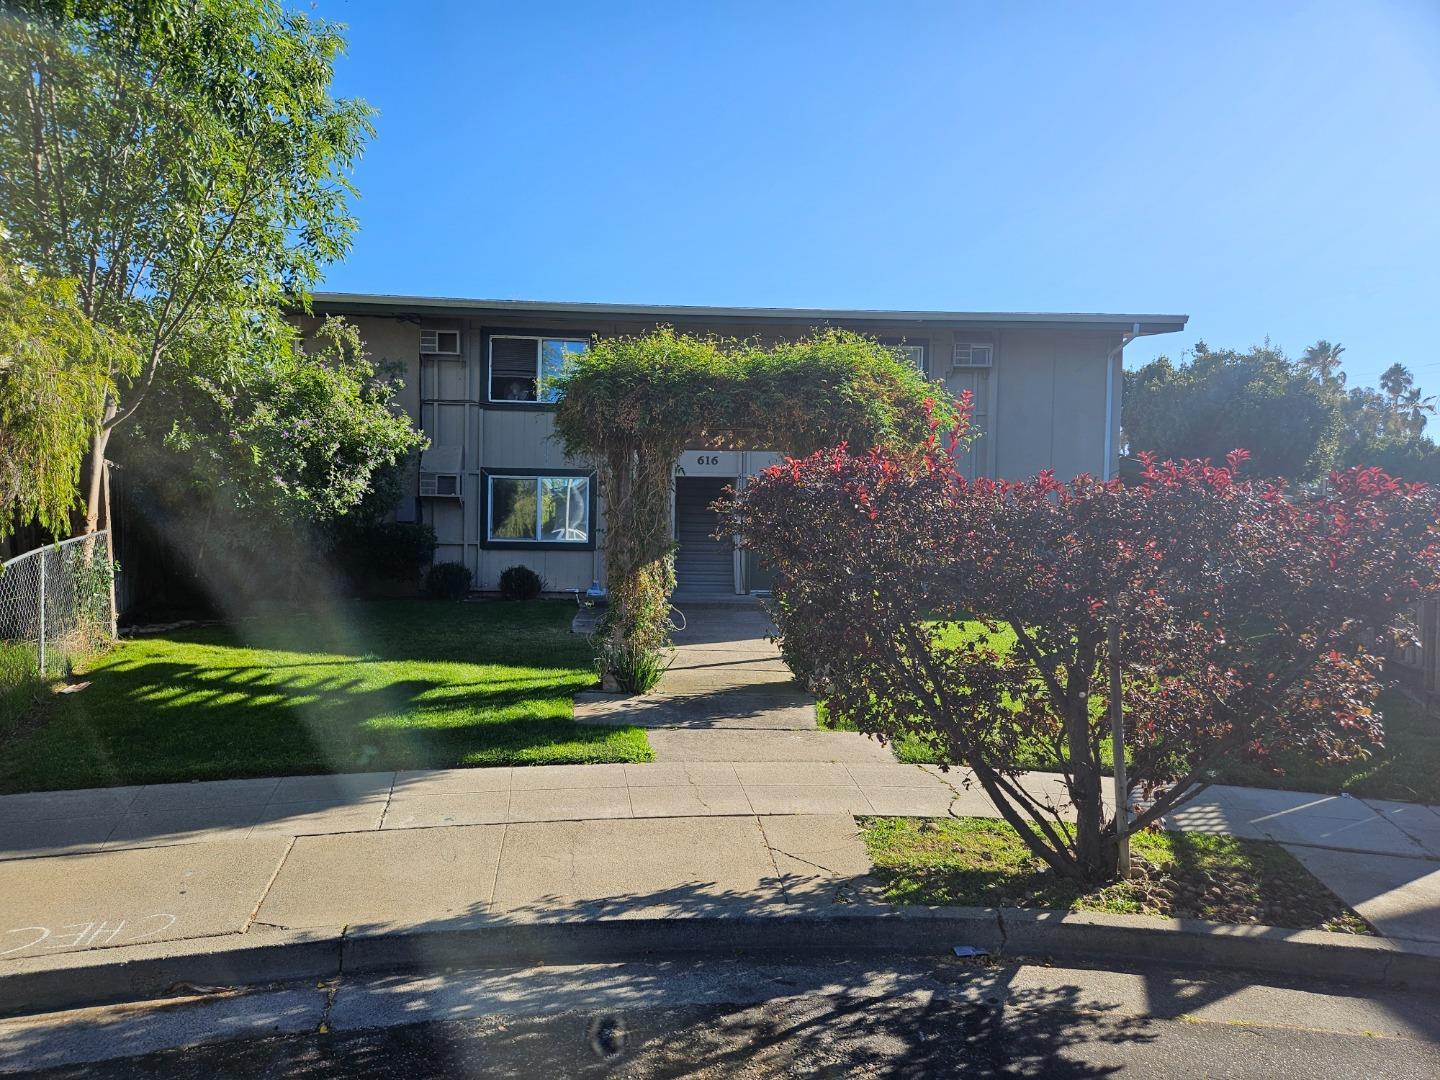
{"points": [[632, 405]]}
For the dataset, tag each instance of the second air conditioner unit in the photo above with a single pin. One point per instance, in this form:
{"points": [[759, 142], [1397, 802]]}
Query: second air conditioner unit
{"points": [[440, 342], [974, 356], [439, 485]]}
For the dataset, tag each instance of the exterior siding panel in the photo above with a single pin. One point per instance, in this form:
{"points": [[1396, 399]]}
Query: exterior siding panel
{"points": [[1042, 405]]}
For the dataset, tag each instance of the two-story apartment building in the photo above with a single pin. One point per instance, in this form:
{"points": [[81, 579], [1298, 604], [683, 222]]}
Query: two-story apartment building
{"points": [[498, 490]]}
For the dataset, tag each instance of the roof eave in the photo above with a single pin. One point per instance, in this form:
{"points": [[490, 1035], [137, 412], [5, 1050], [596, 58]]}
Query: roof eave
{"points": [[384, 304]]}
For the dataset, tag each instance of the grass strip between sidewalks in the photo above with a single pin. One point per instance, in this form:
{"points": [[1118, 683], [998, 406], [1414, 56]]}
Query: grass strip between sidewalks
{"points": [[979, 862]]}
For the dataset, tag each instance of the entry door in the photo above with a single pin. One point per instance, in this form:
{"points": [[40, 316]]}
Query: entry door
{"points": [[704, 566]]}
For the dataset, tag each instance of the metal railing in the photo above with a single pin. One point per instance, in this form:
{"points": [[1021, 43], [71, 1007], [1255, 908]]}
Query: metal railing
{"points": [[57, 605]]}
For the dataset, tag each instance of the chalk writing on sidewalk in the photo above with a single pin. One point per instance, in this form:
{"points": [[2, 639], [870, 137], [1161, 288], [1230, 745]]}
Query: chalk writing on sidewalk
{"points": [[88, 935]]}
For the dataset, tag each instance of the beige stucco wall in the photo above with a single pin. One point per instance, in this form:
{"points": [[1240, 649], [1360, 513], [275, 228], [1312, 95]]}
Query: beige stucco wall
{"points": [[1043, 405]]}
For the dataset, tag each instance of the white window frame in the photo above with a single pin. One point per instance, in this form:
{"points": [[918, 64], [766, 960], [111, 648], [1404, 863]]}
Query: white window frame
{"points": [[537, 538], [905, 349], [539, 340], [902, 349]]}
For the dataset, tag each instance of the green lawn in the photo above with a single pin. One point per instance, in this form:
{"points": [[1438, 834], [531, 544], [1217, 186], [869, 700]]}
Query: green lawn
{"points": [[20, 687], [1406, 768], [977, 862], [380, 685]]}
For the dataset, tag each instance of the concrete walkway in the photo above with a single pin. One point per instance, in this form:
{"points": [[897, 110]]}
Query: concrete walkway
{"points": [[750, 810], [725, 675]]}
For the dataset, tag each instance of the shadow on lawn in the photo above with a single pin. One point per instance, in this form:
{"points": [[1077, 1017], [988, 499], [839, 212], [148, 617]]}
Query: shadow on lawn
{"points": [[533, 634], [155, 722]]}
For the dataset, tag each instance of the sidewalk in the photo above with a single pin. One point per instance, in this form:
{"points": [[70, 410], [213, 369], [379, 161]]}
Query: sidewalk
{"points": [[731, 819], [90, 869]]}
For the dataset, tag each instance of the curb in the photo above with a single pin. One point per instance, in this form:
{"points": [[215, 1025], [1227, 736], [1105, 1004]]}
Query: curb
{"points": [[139, 972]]}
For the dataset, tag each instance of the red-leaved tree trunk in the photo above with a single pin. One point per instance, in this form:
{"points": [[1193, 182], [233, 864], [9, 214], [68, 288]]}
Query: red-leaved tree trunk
{"points": [[973, 615]]}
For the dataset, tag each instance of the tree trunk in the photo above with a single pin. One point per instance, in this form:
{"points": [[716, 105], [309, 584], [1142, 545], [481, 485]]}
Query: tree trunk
{"points": [[1085, 794], [1096, 858], [94, 497]]}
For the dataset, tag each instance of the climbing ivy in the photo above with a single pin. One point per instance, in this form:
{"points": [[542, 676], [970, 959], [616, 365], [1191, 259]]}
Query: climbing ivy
{"points": [[632, 405]]}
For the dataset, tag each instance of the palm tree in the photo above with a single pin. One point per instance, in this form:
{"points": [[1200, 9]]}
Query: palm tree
{"points": [[1323, 359], [1407, 412], [1417, 412], [1395, 380]]}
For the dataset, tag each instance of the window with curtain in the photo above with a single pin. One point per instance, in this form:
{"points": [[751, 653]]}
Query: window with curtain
{"points": [[526, 368]]}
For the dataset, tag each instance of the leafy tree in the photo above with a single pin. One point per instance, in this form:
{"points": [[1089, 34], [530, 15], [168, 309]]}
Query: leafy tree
{"points": [[1222, 399], [55, 371], [1386, 427], [1243, 614], [1413, 457], [182, 161], [1366, 415], [293, 442]]}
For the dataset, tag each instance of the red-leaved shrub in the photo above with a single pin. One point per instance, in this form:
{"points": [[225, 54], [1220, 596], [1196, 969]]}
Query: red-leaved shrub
{"points": [[1248, 617]]}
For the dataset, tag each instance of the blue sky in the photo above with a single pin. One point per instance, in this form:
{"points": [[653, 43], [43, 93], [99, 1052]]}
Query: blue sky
{"points": [[1267, 168]]}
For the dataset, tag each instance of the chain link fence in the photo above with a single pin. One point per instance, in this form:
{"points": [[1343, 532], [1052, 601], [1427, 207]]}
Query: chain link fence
{"points": [[56, 607]]}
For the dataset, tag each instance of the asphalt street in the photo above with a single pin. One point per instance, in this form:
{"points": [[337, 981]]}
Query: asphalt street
{"points": [[740, 1017]]}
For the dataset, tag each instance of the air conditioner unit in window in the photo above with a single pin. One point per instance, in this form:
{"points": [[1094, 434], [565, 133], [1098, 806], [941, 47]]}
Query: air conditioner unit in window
{"points": [[440, 342], [439, 485], [974, 356]]}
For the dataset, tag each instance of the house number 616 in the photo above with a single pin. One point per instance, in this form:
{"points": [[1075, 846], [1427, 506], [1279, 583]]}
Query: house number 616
{"points": [[707, 459]]}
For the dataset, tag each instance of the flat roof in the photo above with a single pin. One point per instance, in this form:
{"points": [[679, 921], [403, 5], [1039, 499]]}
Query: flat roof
{"points": [[385, 304]]}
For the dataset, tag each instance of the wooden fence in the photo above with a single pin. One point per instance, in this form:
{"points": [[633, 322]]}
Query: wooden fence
{"points": [[1422, 662]]}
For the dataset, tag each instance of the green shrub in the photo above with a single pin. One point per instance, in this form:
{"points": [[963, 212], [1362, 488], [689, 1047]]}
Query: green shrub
{"points": [[384, 551], [520, 583], [635, 668], [448, 581]]}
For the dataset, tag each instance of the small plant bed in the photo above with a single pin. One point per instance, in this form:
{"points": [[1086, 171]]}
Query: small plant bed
{"points": [[352, 688], [979, 862]]}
